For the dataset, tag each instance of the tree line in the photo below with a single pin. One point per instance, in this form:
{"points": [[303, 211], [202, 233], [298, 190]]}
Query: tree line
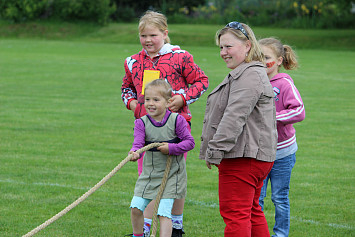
{"points": [[280, 13]]}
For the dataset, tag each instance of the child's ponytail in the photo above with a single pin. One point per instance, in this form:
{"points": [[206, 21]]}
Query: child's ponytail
{"points": [[289, 58]]}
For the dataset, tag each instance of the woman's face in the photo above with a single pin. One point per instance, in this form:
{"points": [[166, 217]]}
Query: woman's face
{"points": [[152, 39], [233, 50]]}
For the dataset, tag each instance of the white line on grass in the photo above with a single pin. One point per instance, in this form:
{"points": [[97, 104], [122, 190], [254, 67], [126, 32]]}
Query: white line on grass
{"points": [[200, 203], [337, 226], [55, 185], [188, 201]]}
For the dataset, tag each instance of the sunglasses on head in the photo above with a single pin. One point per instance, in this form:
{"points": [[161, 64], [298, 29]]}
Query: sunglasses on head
{"points": [[236, 25]]}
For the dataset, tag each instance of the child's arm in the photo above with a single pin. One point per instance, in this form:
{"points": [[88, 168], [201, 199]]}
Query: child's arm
{"points": [[195, 77], [139, 139], [292, 102], [187, 142], [129, 92]]}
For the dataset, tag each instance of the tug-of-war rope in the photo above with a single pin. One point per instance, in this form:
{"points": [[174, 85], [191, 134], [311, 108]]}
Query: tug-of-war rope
{"points": [[104, 180]]}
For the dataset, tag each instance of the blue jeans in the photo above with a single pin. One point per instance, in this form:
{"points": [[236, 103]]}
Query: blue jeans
{"points": [[280, 176]]}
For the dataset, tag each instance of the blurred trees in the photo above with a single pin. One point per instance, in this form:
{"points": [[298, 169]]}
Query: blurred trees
{"points": [[29, 10], [281, 13], [100, 11]]}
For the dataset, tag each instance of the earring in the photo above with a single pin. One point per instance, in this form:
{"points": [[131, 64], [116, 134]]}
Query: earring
{"points": [[246, 54]]}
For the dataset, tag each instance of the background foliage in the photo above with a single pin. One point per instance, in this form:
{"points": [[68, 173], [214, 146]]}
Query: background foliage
{"points": [[289, 13]]}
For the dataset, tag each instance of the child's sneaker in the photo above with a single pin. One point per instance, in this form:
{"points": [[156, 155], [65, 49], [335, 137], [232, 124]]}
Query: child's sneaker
{"points": [[177, 232], [144, 234]]}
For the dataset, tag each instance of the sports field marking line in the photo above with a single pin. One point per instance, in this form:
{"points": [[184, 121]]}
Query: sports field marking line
{"points": [[54, 185], [188, 201], [337, 226]]}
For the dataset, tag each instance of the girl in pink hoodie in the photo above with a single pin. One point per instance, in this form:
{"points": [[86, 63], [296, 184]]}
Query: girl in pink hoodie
{"points": [[289, 110]]}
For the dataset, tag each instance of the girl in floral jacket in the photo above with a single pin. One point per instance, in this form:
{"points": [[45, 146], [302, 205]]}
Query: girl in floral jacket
{"points": [[160, 59]]}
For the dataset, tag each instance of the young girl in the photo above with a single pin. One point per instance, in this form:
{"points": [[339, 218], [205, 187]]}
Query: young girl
{"points": [[160, 59], [289, 110], [159, 125]]}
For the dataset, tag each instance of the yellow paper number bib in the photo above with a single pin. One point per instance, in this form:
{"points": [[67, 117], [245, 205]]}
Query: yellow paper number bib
{"points": [[148, 76]]}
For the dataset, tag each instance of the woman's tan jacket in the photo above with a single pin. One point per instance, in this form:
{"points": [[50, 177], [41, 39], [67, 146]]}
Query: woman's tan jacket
{"points": [[240, 117]]}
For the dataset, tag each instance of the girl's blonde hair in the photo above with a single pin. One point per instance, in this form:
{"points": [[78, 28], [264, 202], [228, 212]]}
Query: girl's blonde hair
{"points": [[154, 19], [255, 53], [288, 55], [165, 89]]}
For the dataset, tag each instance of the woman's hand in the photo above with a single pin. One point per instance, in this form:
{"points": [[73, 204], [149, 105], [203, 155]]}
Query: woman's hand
{"points": [[209, 165], [135, 156], [175, 103], [164, 148]]}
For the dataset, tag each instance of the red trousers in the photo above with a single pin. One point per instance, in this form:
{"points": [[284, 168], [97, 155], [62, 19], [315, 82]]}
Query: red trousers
{"points": [[240, 182]]}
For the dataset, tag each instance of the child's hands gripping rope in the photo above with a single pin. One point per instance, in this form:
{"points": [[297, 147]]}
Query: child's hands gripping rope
{"points": [[164, 148], [135, 155]]}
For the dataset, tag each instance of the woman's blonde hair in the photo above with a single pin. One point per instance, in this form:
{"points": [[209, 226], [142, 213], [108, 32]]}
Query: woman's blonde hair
{"points": [[255, 53], [288, 55], [154, 19], [165, 89]]}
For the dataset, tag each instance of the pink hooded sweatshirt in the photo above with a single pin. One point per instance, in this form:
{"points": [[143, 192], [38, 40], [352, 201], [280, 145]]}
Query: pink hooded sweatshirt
{"points": [[289, 109]]}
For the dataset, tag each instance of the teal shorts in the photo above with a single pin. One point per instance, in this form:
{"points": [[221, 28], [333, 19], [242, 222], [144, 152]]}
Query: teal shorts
{"points": [[165, 205]]}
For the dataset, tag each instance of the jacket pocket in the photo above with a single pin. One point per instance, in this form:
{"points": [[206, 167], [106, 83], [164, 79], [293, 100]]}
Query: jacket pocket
{"points": [[266, 97], [267, 94]]}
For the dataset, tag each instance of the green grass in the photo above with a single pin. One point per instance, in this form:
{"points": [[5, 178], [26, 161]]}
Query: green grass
{"points": [[181, 34], [63, 127]]}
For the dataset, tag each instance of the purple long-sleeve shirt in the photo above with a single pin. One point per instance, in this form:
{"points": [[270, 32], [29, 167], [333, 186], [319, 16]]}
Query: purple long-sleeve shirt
{"points": [[186, 144]]}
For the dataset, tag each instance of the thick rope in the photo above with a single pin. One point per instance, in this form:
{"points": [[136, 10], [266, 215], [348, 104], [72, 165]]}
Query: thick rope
{"points": [[159, 195], [91, 191]]}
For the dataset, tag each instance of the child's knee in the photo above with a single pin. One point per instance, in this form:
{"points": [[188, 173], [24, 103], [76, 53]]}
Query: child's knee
{"points": [[164, 219], [136, 212]]}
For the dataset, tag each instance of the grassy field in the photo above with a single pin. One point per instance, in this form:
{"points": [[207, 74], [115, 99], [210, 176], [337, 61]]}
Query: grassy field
{"points": [[192, 35], [63, 127]]}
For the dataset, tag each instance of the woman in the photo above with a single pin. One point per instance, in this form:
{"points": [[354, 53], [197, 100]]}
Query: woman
{"points": [[239, 134]]}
